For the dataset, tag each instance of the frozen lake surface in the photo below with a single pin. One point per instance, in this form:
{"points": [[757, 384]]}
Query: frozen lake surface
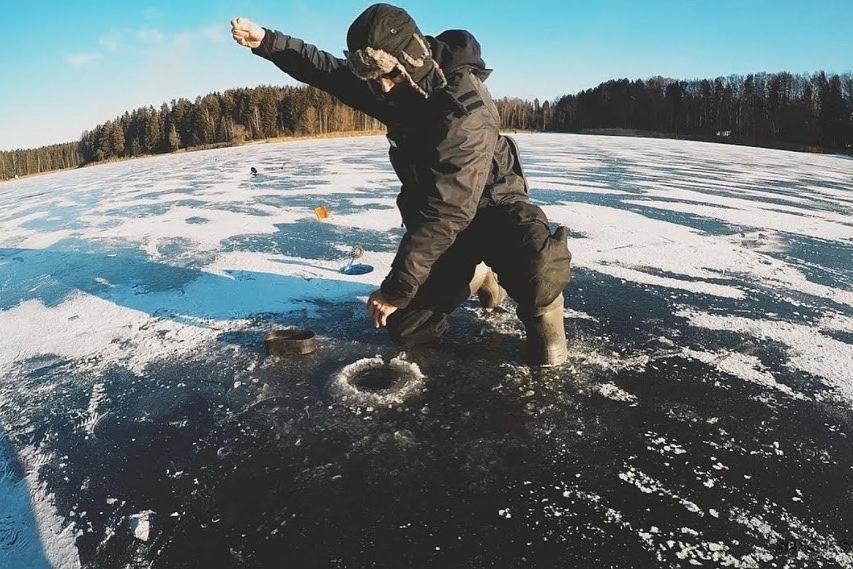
{"points": [[704, 417]]}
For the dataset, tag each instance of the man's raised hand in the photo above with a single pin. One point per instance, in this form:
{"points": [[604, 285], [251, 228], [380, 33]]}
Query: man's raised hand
{"points": [[247, 33]]}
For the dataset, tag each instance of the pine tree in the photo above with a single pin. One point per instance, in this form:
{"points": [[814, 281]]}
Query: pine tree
{"points": [[174, 140], [151, 131]]}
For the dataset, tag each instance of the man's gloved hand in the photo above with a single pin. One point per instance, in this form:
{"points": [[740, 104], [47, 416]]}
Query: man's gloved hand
{"points": [[379, 308], [247, 33]]}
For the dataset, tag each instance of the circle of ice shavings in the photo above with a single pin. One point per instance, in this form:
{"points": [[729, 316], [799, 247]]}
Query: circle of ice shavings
{"points": [[411, 381]]}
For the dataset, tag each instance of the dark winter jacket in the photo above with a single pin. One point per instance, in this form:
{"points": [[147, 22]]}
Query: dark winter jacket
{"points": [[446, 148]]}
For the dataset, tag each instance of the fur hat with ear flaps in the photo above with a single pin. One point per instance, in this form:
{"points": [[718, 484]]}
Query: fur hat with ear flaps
{"points": [[384, 38]]}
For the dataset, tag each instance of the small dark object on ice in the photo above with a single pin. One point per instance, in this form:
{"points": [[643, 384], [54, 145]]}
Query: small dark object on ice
{"points": [[356, 269], [289, 342], [254, 171]]}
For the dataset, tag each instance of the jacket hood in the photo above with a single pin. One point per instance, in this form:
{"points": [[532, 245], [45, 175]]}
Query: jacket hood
{"points": [[453, 49]]}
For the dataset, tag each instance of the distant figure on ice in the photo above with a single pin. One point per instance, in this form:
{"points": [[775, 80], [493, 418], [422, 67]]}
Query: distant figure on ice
{"points": [[254, 171], [464, 196]]}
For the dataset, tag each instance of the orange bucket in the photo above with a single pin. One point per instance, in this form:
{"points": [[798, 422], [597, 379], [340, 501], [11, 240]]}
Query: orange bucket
{"points": [[321, 212]]}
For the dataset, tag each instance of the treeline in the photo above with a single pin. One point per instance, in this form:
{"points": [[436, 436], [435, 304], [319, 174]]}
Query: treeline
{"points": [[231, 117], [774, 109], [14, 163]]}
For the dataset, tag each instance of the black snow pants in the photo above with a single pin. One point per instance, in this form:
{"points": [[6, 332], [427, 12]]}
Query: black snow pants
{"points": [[515, 240]]}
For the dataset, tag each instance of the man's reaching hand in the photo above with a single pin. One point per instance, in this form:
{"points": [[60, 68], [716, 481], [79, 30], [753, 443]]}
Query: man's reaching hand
{"points": [[379, 308], [247, 33]]}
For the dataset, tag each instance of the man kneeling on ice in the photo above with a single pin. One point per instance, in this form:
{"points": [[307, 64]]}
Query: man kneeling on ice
{"points": [[464, 196]]}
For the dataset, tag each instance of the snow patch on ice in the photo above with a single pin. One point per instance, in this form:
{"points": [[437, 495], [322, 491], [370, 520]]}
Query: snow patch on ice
{"points": [[229, 262], [92, 331], [808, 349], [636, 248], [32, 534], [373, 219], [836, 322], [742, 212], [151, 231], [740, 365]]}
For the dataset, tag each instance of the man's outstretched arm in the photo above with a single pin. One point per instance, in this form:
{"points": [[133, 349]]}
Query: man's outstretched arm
{"points": [[306, 63]]}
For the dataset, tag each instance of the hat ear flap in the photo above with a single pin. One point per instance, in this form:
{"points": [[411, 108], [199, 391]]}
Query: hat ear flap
{"points": [[417, 62], [368, 63]]}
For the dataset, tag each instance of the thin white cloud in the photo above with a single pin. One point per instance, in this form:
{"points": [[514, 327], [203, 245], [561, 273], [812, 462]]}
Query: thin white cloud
{"points": [[108, 43], [183, 39], [82, 59], [214, 33], [149, 35]]}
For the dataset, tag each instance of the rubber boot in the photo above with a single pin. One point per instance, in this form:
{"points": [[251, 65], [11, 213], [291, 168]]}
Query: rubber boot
{"points": [[485, 286], [546, 335]]}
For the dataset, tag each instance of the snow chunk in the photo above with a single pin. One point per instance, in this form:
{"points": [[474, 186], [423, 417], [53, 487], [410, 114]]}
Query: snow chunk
{"points": [[140, 524], [611, 391]]}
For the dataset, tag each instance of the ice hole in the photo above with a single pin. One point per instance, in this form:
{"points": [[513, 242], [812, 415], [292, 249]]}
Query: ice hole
{"points": [[372, 381], [376, 379]]}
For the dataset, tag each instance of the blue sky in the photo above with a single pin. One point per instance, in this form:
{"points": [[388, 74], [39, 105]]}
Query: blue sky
{"points": [[67, 66]]}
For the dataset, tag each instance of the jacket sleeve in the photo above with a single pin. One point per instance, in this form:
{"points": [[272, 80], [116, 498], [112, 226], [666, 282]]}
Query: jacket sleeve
{"points": [[456, 178], [308, 64]]}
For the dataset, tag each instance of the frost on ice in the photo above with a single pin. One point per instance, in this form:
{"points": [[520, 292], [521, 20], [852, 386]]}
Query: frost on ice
{"points": [[710, 315]]}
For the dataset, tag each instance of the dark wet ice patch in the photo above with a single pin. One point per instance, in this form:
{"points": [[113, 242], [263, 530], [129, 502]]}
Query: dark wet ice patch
{"points": [[242, 457]]}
